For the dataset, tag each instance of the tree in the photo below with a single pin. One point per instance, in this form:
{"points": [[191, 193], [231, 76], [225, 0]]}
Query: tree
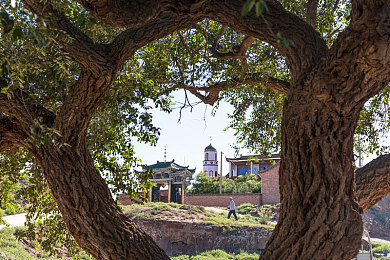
{"points": [[330, 76], [243, 184]]}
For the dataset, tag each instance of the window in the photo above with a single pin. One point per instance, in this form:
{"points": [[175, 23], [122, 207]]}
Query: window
{"points": [[211, 174], [242, 170], [206, 156]]}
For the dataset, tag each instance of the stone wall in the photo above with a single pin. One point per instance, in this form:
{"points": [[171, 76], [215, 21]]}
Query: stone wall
{"points": [[270, 185], [222, 200], [178, 238]]}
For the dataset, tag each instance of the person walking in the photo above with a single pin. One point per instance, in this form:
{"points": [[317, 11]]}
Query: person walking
{"points": [[232, 209]]}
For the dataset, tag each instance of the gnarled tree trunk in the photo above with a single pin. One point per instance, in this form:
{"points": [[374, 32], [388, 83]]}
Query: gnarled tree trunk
{"points": [[89, 212], [319, 216]]}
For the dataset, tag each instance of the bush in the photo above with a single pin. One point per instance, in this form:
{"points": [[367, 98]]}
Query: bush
{"points": [[11, 248], [246, 208], [219, 255], [213, 254], [242, 184], [378, 247]]}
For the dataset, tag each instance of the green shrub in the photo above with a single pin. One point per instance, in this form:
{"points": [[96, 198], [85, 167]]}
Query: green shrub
{"points": [[182, 257], [212, 255], [11, 248], [219, 255], [242, 255], [378, 247], [230, 230], [246, 208], [242, 184]]}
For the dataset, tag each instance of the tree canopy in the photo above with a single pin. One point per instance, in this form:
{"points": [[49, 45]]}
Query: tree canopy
{"points": [[247, 183], [308, 78]]}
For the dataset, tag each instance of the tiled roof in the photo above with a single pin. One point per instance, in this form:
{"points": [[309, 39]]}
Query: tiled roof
{"points": [[163, 165], [210, 147]]}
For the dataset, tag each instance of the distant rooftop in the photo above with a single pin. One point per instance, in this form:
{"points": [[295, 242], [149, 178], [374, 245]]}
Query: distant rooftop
{"points": [[210, 147], [169, 164]]}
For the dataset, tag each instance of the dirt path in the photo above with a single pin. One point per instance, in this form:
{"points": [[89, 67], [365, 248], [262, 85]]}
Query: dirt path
{"points": [[381, 240], [15, 220], [218, 210]]}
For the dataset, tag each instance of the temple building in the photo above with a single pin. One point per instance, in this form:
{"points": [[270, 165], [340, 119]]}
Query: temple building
{"points": [[265, 168], [210, 162], [171, 175], [253, 164]]}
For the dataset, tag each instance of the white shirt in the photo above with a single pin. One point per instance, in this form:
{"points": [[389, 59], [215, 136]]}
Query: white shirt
{"points": [[232, 205]]}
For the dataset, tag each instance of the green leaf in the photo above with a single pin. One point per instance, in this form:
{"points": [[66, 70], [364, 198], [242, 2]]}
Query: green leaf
{"points": [[259, 8], [247, 7], [17, 34]]}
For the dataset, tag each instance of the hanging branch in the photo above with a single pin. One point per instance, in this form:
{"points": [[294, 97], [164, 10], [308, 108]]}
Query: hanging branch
{"points": [[311, 13], [238, 51], [253, 79]]}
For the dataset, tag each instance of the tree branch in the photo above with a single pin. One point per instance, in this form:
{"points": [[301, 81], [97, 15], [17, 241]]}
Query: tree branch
{"points": [[363, 44], [10, 136], [373, 182], [238, 51], [273, 24], [219, 36], [252, 79], [131, 13], [130, 40], [79, 46], [20, 111], [82, 101], [272, 27], [311, 13]]}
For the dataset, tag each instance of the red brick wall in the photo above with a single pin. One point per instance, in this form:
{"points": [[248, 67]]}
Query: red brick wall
{"points": [[222, 200], [124, 199], [270, 185]]}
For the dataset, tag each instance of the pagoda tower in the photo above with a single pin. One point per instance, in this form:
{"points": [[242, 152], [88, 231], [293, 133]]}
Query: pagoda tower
{"points": [[210, 163]]}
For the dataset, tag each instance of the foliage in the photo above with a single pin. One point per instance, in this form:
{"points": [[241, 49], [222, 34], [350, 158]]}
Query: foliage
{"points": [[219, 254], [31, 60], [156, 210], [230, 230], [246, 208], [378, 247], [242, 184], [12, 249], [243, 220]]}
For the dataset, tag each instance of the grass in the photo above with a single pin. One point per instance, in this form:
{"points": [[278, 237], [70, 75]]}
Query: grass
{"points": [[12, 249], [219, 255], [246, 220], [378, 247], [153, 211], [246, 208]]}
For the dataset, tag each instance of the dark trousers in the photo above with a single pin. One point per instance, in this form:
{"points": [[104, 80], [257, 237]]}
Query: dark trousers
{"points": [[232, 212]]}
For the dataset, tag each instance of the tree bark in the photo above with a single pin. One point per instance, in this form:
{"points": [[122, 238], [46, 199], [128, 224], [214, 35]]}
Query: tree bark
{"points": [[319, 217], [89, 212], [373, 182]]}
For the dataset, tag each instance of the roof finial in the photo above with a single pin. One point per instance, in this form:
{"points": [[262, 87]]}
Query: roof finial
{"points": [[165, 153], [211, 139]]}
